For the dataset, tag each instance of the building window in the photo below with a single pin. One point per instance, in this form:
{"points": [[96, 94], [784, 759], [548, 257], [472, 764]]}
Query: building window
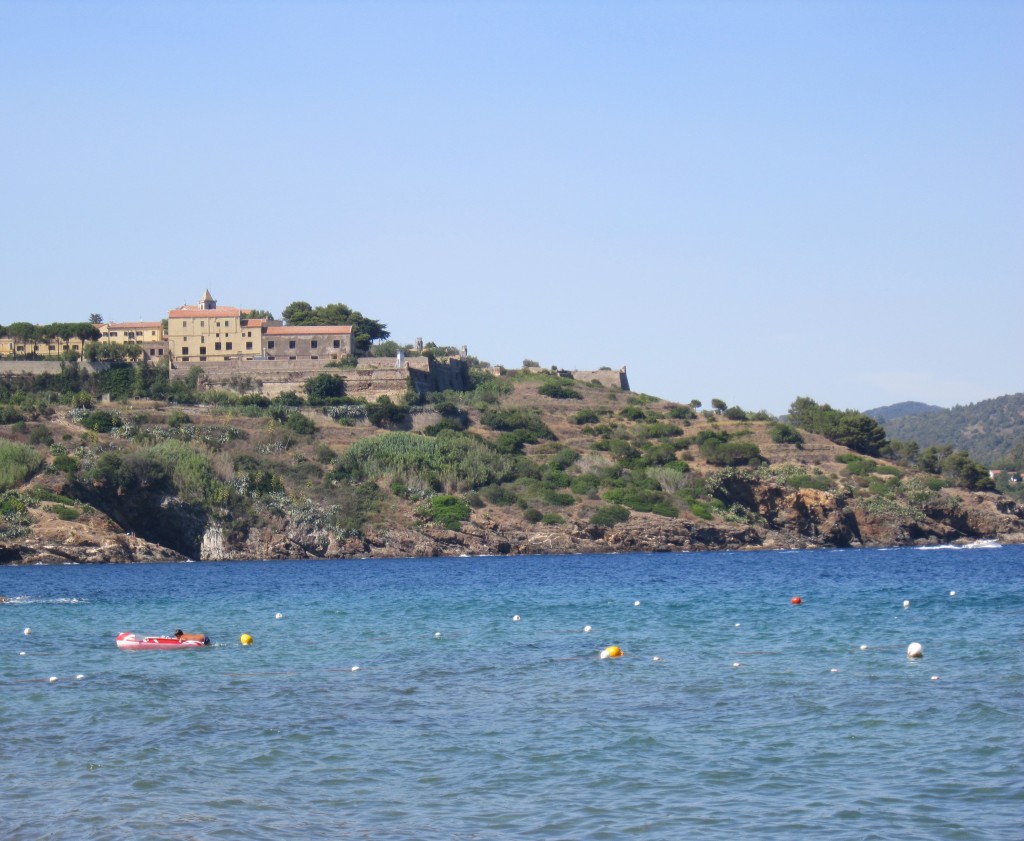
{"points": [[227, 346], [202, 323], [291, 345], [337, 343], [184, 359], [313, 343], [202, 351], [216, 345], [184, 352], [248, 345], [161, 353], [270, 345], [218, 324]]}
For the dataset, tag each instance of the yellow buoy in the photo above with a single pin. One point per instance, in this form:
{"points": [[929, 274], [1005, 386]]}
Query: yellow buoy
{"points": [[611, 651], [245, 639]]}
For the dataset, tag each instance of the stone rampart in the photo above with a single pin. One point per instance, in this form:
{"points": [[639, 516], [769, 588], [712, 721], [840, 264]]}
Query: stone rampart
{"points": [[373, 377]]}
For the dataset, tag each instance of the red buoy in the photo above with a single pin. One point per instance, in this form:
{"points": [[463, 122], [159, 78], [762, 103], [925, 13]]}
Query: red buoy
{"points": [[796, 600]]}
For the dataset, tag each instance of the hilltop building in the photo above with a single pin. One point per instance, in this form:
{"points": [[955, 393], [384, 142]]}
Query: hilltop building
{"points": [[148, 334], [206, 332]]}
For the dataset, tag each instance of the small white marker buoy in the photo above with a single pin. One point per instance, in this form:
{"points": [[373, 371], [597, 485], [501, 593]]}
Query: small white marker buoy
{"points": [[587, 629], [636, 604], [863, 648], [516, 618], [21, 653], [27, 631], [952, 592], [53, 679], [79, 677], [737, 625], [437, 635], [355, 668], [935, 677], [834, 671], [736, 664], [656, 658], [906, 602], [279, 616], [915, 649]]}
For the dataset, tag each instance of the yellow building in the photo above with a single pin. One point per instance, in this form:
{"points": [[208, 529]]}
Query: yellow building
{"points": [[149, 334], [206, 332]]}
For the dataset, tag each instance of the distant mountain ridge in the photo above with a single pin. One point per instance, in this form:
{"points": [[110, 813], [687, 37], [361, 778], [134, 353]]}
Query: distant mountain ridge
{"points": [[991, 431], [908, 408]]}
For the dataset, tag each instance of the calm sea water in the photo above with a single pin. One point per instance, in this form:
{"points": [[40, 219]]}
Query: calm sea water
{"points": [[758, 720]]}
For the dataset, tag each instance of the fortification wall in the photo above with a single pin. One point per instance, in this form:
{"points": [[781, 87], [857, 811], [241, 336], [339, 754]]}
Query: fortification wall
{"points": [[609, 379], [36, 367], [371, 379]]}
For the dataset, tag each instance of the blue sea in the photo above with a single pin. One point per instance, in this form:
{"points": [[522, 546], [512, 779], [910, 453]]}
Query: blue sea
{"points": [[401, 699]]}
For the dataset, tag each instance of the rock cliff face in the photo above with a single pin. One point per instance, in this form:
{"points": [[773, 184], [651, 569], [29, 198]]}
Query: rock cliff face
{"points": [[803, 518]]}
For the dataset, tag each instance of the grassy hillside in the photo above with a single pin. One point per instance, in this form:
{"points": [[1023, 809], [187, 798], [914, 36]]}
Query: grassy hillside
{"points": [[498, 465]]}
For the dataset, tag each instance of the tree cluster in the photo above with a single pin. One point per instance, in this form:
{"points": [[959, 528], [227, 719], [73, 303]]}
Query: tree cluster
{"points": [[848, 427], [364, 330]]}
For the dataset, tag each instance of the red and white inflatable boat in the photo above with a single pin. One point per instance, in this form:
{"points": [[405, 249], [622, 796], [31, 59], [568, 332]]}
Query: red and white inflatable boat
{"points": [[131, 642]]}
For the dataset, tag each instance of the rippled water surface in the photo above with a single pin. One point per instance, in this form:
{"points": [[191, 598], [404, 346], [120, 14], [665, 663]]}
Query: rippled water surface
{"points": [[733, 714]]}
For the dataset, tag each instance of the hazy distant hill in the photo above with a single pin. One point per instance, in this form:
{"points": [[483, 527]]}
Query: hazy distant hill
{"points": [[908, 408], [991, 431]]}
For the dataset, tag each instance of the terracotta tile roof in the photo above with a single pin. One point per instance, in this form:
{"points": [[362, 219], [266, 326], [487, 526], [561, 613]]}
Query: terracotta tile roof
{"points": [[320, 330], [254, 322], [196, 312]]}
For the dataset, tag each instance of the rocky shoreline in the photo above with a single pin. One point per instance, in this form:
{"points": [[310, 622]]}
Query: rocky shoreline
{"points": [[788, 519]]}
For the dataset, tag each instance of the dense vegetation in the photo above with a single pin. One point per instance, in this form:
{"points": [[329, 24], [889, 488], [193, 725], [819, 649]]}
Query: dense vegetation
{"points": [[992, 431], [528, 447]]}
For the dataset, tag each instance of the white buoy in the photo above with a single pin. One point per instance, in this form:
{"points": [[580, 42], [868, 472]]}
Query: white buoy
{"points": [[21, 653], [27, 631], [915, 649], [355, 668], [437, 635], [737, 624], [636, 604], [587, 629], [79, 677], [53, 679], [516, 618], [863, 648], [906, 602], [834, 671], [735, 665], [656, 658], [952, 592], [279, 616], [935, 677]]}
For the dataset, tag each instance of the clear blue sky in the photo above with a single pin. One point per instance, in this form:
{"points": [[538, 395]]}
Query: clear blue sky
{"points": [[744, 200]]}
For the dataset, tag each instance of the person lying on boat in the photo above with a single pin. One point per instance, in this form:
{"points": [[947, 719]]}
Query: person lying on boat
{"points": [[182, 636]]}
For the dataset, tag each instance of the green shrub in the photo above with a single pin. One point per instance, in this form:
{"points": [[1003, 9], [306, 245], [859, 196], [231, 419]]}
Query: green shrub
{"points": [[385, 413], [584, 416], [99, 421], [458, 460], [8, 414], [177, 418], [532, 515], [300, 424], [553, 497], [585, 484], [682, 413], [609, 515], [783, 433], [65, 464], [559, 391], [40, 435], [552, 519], [447, 511], [499, 495], [18, 463], [510, 420], [65, 512], [324, 388]]}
